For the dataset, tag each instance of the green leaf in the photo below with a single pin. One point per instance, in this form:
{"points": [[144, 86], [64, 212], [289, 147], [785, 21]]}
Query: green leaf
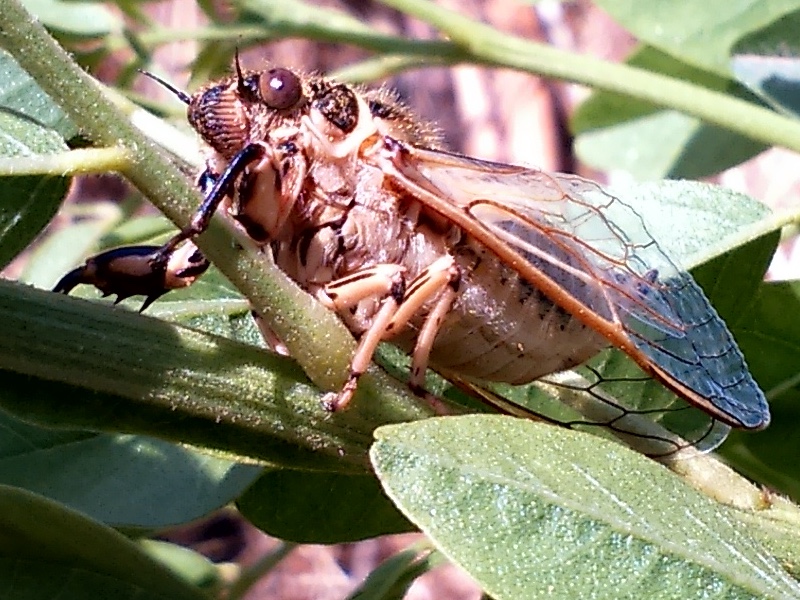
{"points": [[699, 33], [213, 60], [771, 341], [294, 16], [320, 508], [617, 132], [527, 509], [777, 532], [733, 280], [81, 19], [693, 222], [776, 79], [776, 38], [22, 136], [123, 372], [766, 61], [20, 94], [774, 338], [27, 121], [47, 551], [27, 203], [392, 579], [191, 566], [118, 479]]}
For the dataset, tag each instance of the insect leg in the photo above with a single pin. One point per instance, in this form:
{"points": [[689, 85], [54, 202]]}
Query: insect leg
{"points": [[152, 271], [447, 281], [142, 270], [221, 188], [273, 341], [384, 282], [373, 282], [398, 305], [441, 278], [206, 181], [133, 270], [265, 196]]}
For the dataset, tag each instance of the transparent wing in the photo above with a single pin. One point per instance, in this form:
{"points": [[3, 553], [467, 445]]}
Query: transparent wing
{"points": [[591, 253], [572, 400]]}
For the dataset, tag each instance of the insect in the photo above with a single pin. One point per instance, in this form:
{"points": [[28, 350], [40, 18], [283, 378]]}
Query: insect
{"points": [[482, 271]]}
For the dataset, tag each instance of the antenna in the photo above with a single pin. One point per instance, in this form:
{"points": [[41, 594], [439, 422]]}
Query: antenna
{"points": [[239, 75], [182, 96]]}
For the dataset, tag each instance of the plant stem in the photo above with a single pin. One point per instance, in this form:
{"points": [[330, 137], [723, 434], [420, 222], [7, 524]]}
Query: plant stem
{"points": [[73, 162], [252, 574], [384, 65], [153, 38], [293, 18], [489, 46], [300, 321]]}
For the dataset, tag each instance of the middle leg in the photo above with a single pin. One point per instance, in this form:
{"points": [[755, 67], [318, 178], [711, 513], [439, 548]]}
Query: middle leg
{"points": [[397, 305]]}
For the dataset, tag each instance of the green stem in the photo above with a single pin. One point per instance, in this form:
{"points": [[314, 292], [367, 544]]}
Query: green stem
{"points": [[487, 45], [147, 376], [474, 42], [303, 324], [293, 18], [383, 66], [74, 162], [158, 36], [255, 572]]}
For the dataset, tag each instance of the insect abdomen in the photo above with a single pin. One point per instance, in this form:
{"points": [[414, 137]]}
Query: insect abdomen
{"points": [[503, 329]]}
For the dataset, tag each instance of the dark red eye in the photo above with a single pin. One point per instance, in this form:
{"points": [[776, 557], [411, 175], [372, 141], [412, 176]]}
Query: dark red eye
{"points": [[280, 88]]}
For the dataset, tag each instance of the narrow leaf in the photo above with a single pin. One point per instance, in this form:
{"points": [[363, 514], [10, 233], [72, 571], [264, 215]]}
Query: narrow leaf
{"points": [[20, 94], [27, 203], [766, 61], [118, 479], [143, 375], [48, 551], [391, 580], [84, 19], [617, 132]]}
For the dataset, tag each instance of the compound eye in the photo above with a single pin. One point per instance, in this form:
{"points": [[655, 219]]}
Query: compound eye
{"points": [[280, 88]]}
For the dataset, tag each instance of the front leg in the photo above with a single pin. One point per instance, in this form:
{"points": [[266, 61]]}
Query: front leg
{"points": [[152, 271], [220, 188], [136, 271]]}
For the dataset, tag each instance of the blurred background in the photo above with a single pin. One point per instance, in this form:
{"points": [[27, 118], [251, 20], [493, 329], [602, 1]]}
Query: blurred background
{"points": [[495, 114]]}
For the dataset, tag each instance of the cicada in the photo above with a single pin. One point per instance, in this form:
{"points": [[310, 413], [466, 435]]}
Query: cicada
{"points": [[482, 271]]}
